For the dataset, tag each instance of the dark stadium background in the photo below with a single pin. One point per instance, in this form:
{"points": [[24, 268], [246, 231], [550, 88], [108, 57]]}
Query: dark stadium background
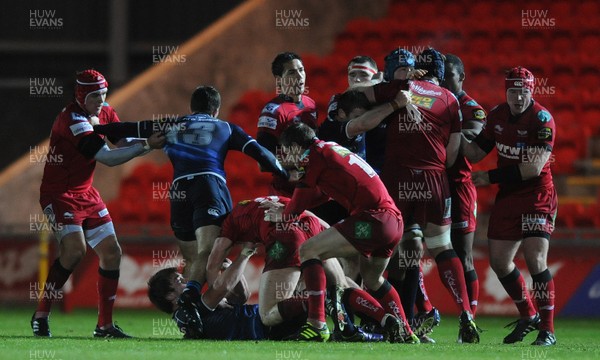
{"points": [[230, 44]]}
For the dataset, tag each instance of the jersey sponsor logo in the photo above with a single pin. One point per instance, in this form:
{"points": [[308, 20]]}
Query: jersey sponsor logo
{"points": [[363, 230], [544, 134], [498, 129], [544, 116], [103, 212], [423, 101], [81, 127], [418, 89], [267, 122], [522, 133], [509, 152], [271, 108], [471, 103], [78, 117], [479, 114]]}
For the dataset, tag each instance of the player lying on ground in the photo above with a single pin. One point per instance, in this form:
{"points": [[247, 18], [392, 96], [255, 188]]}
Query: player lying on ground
{"points": [[282, 240], [215, 317]]}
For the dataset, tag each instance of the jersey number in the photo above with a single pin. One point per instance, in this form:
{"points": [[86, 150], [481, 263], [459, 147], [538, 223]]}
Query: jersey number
{"points": [[356, 160], [198, 134]]}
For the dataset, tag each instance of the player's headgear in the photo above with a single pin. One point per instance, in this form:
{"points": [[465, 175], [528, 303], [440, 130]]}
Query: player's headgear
{"points": [[520, 78], [398, 58], [88, 81], [432, 61]]}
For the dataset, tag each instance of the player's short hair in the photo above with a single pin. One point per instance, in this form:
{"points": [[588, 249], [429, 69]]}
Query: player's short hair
{"points": [[159, 287], [298, 133], [281, 59], [361, 59], [205, 100], [353, 99], [456, 62]]}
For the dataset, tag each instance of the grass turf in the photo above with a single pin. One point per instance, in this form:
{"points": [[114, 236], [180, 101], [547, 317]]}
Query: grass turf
{"points": [[157, 338]]}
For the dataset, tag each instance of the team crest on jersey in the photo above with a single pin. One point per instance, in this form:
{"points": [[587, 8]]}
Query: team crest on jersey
{"points": [[472, 103], [498, 129], [544, 134], [479, 114], [544, 116], [313, 114], [271, 108], [244, 202]]}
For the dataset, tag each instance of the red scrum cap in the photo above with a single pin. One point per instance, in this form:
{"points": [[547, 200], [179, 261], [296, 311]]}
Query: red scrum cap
{"points": [[520, 78], [88, 81]]}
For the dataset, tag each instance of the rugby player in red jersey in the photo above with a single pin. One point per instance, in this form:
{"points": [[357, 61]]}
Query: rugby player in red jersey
{"points": [[361, 70], [422, 140], [74, 207], [373, 228], [464, 194], [291, 105], [523, 132]]}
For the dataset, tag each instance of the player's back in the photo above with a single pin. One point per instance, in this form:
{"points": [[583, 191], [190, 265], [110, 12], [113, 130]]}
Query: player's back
{"points": [[346, 178], [198, 144], [418, 135], [66, 168], [246, 220]]}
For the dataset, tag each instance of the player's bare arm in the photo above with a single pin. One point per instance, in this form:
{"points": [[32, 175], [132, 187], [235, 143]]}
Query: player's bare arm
{"points": [[452, 148], [227, 281], [372, 118], [471, 150], [471, 129], [220, 249]]}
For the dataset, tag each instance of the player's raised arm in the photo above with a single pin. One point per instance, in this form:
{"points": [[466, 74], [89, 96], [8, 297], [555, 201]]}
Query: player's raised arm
{"points": [[220, 249], [228, 279], [372, 118]]}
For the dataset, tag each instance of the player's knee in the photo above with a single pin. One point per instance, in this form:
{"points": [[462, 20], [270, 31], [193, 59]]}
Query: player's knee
{"points": [[500, 266], [307, 253], [270, 317], [72, 256], [438, 241]]}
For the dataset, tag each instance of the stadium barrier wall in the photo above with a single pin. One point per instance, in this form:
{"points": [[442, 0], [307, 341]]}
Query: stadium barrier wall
{"points": [[576, 272]]}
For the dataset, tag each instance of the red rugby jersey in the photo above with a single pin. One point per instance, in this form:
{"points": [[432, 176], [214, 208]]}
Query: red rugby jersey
{"points": [[342, 175], [67, 169]]}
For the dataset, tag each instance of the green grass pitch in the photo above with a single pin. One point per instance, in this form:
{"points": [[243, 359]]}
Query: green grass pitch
{"points": [[157, 338]]}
